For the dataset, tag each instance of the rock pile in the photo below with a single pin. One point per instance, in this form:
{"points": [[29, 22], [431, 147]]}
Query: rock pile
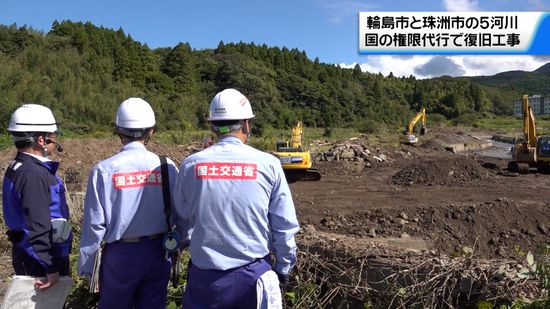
{"points": [[355, 150]]}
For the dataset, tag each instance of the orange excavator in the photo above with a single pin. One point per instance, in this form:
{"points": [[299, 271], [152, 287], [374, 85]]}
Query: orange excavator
{"points": [[295, 160]]}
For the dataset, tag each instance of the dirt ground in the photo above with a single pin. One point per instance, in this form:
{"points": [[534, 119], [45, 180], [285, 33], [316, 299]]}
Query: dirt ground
{"points": [[448, 201], [461, 201]]}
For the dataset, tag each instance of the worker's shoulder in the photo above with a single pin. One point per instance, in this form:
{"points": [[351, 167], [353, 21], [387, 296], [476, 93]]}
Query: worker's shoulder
{"points": [[231, 152], [193, 157], [262, 154], [170, 161], [26, 170], [25, 164], [20, 173]]}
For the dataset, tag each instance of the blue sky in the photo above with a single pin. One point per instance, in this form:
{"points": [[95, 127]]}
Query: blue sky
{"points": [[327, 29]]}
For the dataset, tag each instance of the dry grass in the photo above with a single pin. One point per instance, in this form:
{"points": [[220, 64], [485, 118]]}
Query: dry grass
{"points": [[333, 273], [5, 245], [75, 202]]}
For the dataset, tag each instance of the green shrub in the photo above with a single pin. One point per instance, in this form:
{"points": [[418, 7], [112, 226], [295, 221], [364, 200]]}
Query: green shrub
{"points": [[370, 126], [467, 119], [327, 132], [435, 118], [5, 141]]}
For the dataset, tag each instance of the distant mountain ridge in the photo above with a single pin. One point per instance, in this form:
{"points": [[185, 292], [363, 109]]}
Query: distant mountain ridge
{"points": [[543, 69], [534, 82]]}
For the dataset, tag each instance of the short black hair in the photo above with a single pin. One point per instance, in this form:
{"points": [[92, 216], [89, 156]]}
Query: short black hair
{"points": [[225, 123], [227, 126]]}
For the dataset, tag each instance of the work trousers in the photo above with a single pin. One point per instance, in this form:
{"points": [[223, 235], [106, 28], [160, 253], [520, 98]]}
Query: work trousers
{"points": [[227, 289], [134, 275], [25, 265]]}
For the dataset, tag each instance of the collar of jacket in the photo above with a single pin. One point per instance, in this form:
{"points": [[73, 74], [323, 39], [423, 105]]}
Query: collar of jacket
{"points": [[230, 139], [133, 145], [51, 166]]}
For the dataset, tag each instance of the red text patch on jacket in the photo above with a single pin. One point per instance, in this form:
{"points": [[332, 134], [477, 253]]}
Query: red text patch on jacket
{"points": [[226, 170], [136, 179]]}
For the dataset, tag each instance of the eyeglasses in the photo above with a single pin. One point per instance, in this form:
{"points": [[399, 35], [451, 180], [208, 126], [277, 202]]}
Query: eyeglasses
{"points": [[51, 141]]}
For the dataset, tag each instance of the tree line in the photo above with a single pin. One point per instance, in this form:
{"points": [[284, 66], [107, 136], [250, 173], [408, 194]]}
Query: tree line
{"points": [[83, 72]]}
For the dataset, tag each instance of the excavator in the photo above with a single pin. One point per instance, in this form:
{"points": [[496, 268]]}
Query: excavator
{"points": [[408, 137], [295, 160], [532, 150]]}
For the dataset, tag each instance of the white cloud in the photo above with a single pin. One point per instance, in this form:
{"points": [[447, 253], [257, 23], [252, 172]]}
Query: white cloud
{"points": [[461, 5], [337, 11], [398, 65], [440, 65], [427, 67], [493, 64]]}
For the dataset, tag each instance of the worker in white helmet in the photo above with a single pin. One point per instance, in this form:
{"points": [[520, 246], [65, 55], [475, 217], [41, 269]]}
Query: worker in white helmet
{"points": [[124, 209], [34, 206], [234, 208]]}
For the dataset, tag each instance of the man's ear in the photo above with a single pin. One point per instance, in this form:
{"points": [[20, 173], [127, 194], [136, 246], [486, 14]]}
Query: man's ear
{"points": [[246, 127], [40, 140]]}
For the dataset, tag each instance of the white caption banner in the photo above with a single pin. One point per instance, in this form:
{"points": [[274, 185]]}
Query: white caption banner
{"points": [[446, 32]]}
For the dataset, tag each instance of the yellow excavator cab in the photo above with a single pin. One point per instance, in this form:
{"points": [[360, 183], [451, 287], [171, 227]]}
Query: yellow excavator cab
{"points": [[296, 161], [408, 134]]}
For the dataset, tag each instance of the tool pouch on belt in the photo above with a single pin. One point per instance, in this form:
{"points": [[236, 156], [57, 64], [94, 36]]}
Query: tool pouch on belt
{"points": [[172, 238], [61, 230]]}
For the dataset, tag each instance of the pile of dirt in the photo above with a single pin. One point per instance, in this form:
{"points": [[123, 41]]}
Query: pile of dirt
{"points": [[431, 144], [490, 229], [444, 171]]}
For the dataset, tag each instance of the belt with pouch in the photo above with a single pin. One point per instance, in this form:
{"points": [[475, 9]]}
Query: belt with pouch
{"points": [[137, 239]]}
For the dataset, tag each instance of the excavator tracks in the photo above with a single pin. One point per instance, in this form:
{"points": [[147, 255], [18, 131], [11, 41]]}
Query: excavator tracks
{"points": [[293, 175]]}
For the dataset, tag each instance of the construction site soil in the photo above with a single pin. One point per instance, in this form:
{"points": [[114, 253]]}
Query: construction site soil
{"points": [[424, 199]]}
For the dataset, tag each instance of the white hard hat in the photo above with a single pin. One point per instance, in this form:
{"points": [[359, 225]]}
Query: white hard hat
{"points": [[230, 104], [135, 113], [32, 118]]}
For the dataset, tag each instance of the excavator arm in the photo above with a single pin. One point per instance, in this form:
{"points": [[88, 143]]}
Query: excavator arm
{"points": [[529, 123], [296, 161], [524, 153], [409, 131], [297, 135], [420, 116]]}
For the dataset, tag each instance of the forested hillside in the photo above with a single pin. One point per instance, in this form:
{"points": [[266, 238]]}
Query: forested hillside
{"points": [[83, 72], [500, 87]]}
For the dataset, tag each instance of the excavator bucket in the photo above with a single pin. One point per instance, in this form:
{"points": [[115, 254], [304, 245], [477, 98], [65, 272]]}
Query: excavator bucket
{"points": [[423, 130]]}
